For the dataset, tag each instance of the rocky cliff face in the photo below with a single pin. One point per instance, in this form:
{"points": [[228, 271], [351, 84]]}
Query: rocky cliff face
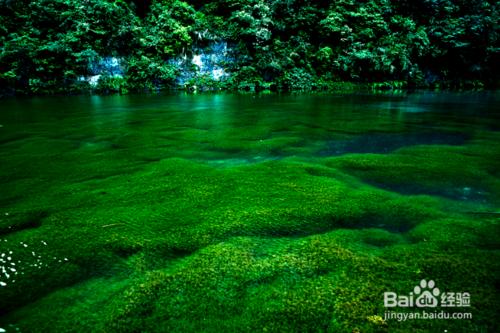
{"points": [[211, 62], [107, 66], [202, 63]]}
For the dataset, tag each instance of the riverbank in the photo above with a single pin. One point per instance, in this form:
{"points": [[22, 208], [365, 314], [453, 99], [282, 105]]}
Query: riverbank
{"points": [[62, 46], [119, 86]]}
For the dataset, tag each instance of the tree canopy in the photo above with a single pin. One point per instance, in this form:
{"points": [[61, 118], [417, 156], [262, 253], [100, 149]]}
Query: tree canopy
{"points": [[45, 45]]}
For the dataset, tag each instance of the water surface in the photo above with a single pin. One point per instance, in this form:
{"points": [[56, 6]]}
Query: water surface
{"points": [[225, 212]]}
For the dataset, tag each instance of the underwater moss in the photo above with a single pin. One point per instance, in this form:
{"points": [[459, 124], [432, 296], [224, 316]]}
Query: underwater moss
{"points": [[184, 221]]}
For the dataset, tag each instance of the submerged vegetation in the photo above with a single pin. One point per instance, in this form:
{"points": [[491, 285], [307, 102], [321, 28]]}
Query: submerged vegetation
{"points": [[56, 46], [217, 213], [247, 212]]}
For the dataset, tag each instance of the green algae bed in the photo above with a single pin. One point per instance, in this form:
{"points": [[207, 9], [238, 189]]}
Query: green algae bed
{"points": [[247, 213]]}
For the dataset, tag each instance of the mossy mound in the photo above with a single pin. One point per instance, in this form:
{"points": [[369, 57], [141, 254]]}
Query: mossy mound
{"points": [[463, 173], [281, 245], [187, 220]]}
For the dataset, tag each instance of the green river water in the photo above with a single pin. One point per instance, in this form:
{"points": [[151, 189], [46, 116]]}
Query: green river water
{"points": [[249, 213]]}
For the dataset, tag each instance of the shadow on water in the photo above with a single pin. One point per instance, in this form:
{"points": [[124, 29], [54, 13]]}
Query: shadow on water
{"points": [[388, 142], [459, 193]]}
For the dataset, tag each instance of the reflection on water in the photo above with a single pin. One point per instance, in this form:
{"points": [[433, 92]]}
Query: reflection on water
{"points": [[227, 130]]}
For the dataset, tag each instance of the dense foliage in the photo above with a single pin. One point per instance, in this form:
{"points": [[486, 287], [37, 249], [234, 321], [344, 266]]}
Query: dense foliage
{"points": [[46, 45]]}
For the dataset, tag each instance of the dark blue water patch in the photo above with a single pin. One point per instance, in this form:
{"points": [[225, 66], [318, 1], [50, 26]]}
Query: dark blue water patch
{"points": [[238, 161], [459, 193], [383, 143]]}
